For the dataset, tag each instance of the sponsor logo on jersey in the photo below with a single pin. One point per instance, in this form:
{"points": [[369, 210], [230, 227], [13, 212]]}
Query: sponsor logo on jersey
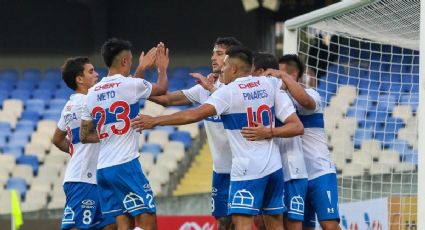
{"points": [[88, 204], [249, 85], [107, 86]]}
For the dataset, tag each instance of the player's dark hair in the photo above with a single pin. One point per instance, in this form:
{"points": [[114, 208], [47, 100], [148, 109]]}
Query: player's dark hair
{"points": [[112, 47], [293, 60], [227, 41], [241, 53], [262, 60], [72, 68]]}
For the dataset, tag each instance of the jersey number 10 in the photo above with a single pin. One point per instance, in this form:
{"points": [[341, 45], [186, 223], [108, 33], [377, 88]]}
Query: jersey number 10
{"points": [[122, 116], [259, 118]]}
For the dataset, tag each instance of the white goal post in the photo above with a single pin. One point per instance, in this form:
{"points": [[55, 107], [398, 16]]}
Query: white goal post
{"points": [[372, 51]]}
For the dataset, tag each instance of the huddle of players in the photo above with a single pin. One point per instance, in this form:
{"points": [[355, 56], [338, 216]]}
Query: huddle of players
{"points": [[258, 114]]}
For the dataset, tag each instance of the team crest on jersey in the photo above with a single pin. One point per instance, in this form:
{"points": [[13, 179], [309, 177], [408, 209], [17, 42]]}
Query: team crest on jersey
{"points": [[133, 201], [297, 204], [68, 216], [243, 198], [68, 108], [214, 191]]}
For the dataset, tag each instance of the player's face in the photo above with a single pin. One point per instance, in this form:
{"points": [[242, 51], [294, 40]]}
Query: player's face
{"points": [[217, 58], [227, 71], [89, 76], [285, 68]]}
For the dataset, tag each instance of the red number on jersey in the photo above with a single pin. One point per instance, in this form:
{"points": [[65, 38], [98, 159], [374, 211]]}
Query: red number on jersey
{"points": [[259, 118], [123, 116]]}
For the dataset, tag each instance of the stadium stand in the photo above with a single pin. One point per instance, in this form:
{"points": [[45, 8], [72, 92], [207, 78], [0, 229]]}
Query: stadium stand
{"points": [[30, 105]]}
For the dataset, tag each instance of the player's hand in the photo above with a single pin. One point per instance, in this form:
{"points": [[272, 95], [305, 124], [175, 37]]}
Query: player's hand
{"points": [[259, 132], [162, 59], [212, 77], [203, 81], [143, 122], [148, 60], [279, 74]]}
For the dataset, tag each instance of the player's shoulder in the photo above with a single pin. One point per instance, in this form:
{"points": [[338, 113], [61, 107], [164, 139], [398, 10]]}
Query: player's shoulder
{"points": [[312, 92]]}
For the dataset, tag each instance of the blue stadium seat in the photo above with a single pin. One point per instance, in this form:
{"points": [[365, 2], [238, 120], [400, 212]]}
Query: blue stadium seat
{"points": [[31, 74], [5, 129], [20, 94], [204, 70], [168, 129], [385, 138], [343, 79], [364, 101], [31, 116], [31, 160], [9, 74], [37, 105], [7, 85], [57, 104], [103, 72], [378, 116], [51, 115], [43, 94], [63, 93], [395, 68], [19, 184], [152, 148], [392, 125], [176, 84], [180, 72], [25, 85], [53, 75], [62, 85], [25, 126], [13, 150], [4, 94], [19, 138], [48, 85], [360, 135], [182, 136], [400, 146], [358, 112], [411, 157]]}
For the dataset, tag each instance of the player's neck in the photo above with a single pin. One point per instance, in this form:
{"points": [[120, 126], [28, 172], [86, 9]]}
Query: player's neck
{"points": [[242, 74], [81, 90], [115, 71]]}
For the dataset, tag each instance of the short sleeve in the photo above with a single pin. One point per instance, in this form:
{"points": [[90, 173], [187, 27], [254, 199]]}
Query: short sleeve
{"points": [[221, 100], [317, 99], [61, 123], [283, 106], [85, 113], [143, 88], [193, 94]]}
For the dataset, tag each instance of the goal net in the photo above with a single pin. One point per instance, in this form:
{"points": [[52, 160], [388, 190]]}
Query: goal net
{"points": [[365, 64]]}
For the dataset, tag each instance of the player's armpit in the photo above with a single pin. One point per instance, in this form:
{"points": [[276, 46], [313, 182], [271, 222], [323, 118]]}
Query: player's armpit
{"points": [[292, 127], [60, 141], [87, 132]]}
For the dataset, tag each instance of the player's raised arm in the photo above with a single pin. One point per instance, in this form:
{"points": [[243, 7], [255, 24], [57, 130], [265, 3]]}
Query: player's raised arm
{"points": [[60, 141], [145, 62], [180, 118], [295, 89], [161, 62]]}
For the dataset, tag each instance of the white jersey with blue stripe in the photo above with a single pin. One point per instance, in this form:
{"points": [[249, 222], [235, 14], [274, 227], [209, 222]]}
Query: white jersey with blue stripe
{"points": [[240, 104], [316, 153], [82, 165], [219, 143], [111, 104]]}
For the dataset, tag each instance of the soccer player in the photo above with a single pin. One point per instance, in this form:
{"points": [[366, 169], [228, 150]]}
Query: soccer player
{"points": [[124, 190], [322, 191], [256, 174], [219, 144], [82, 210], [295, 173]]}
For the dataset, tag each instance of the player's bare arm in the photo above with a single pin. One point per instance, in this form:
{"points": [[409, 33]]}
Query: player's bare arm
{"points": [[169, 99], [205, 82], [180, 118], [87, 132], [295, 89], [292, 127], [161, 62], [145, 62], [60, 140]]}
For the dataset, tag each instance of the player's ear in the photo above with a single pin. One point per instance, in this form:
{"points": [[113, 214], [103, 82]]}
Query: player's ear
{"points": [[79, 79]]}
